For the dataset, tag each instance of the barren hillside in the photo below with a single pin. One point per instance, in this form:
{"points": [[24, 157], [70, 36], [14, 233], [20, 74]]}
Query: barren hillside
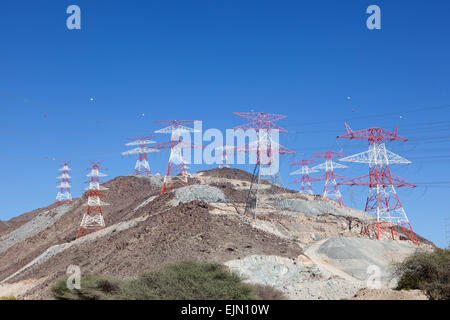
{"points": [[310, 248]]}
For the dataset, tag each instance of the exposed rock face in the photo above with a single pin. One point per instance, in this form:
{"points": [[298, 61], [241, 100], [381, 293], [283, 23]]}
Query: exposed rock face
{"points": [[297, 279], [198, 193], [40, 222], [14, 223], [355, 255], [333, 268]]}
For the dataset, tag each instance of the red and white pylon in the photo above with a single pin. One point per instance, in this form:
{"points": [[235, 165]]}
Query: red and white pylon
{"points": [[304, 171], [330, 190], [223, 150], [176, 174], [142, 167], [93, 217], [266, 150], [382, 200], [64, 195]]}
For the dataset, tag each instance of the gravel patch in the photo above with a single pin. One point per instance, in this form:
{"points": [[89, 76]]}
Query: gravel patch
{"points": [[297, 281], [315, 208], [155, 181], [355, 255], [143, 204], [43, 220], [50, 252], [198, 192]]}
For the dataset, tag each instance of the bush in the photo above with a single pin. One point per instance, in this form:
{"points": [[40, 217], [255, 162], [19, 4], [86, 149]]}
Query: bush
{"points": [[8, 298], [93, 287], [179, 281], [190, 281], [426, 271]]}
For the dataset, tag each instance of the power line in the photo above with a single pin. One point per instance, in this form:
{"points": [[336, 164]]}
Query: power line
{"points": [[372, 116]]}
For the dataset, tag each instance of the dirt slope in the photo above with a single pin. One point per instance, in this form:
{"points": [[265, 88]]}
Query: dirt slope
{"points": [[124, 194], [16, 222], [185, 232], [389, 294]]}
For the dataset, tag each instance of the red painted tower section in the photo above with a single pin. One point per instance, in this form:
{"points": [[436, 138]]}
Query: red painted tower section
{"points": [[93, 216], [304, 171], [382, 201]]}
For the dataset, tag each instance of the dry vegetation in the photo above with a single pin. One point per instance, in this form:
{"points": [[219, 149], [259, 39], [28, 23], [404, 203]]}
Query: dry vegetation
{"points": [[180, 281]]}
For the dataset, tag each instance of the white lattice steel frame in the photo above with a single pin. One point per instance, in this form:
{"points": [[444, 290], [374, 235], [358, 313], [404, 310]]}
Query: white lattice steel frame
{"points": [[64, 195], [267, 151], [223, 150], [331, 189], [382, 200], [305, 180], [176, 174], [142, 166]]}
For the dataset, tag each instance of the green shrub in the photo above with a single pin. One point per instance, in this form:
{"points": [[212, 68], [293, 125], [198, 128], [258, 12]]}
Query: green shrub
{"points": [[93, 287], [183, 280], [8, 298], [190, 281], [427, 271]]}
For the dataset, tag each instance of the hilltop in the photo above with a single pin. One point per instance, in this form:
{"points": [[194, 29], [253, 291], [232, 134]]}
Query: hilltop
{"points": [[309, 249]]}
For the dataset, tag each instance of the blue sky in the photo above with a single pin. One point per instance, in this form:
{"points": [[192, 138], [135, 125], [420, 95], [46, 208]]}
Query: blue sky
{"points": [[204, 60]]}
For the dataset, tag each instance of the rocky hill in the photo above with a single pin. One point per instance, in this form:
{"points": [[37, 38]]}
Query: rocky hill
{"points": [[12, 224], [309, 248]]}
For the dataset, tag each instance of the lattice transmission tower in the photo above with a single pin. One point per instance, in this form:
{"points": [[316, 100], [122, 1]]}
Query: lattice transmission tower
{"points": [[382, 201], [223, 150], [304, 171], [331, 189], [176, 174], [267, 151], [64, 195], [142, 167], [93, 216]]}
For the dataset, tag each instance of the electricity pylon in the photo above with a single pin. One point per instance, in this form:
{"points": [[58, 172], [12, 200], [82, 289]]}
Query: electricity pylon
{"points": [[267, 151], [142, 167], [382, 202], [223, 150], [93, 217], [64, 195], [331, 189], [304, 171], [176, 174]]}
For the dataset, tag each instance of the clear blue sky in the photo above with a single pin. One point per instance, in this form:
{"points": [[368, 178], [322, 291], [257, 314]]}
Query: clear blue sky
{"points": [[206, 59]]}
